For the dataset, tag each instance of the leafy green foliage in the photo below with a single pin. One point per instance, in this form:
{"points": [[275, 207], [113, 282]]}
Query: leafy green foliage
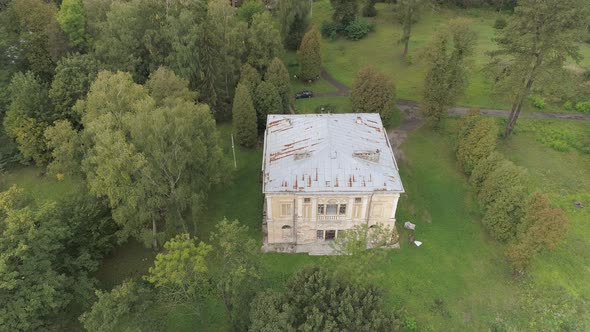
{"points": [[73, 76], [310, 57], [222, 53], [278, 75], [583, 107], [28, 115], [373, 92], [537, 101], [542, 227], [131, 38], [66, 148], [344, 11], [534, 46], [112, 307], [35, 36], [358, 29], [250, 8], [264, 42], [502, 196], [476, 139], [181, 272], [407, 13], [49, 251], [330, 30], [155, 164], [250, 77], [446, 78], [361, 251], [267, 101], [166, 88], [500, 23], [238, 269], [244, 117], [293, 18], [316, 301], [72, 19]]}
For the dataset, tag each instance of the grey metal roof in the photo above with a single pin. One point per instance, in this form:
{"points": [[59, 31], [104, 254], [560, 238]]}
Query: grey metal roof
{"points": [[328, 153]]}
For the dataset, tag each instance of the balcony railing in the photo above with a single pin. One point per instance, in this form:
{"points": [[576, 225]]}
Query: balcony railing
{"points": [[331, 217]]}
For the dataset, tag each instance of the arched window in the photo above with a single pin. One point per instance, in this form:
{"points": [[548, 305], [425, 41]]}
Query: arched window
{"points": [[287, 232]]}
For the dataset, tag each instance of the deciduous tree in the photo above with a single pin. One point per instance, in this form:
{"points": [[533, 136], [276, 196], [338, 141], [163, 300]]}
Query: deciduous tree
{"points": [[38, 39], [181, 271], [446, 78], [250, 8], [310, 57], [155, 164], [244, 117], [73, 76], [373, 92], [539, 38], [112, 307], [72, 19], [344, 11], [28, 115], [476, 140], [502, 196], [238, 270], [316, 301], [542, 228], [66, 147], [407, 13], [278, 75]]}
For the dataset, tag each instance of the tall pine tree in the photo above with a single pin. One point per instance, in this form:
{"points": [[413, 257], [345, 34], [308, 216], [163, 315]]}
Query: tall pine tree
{"points": [[310, 58], [244, 117]]}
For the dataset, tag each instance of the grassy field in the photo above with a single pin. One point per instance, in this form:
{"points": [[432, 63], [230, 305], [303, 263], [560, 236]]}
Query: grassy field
{"points": [[343, 58]]}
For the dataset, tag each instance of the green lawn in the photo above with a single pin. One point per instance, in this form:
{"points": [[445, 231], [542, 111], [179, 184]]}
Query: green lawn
{"points": [[565, 177], [344, 58]]}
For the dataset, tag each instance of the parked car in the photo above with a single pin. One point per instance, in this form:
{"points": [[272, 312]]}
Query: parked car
{"points": [[303, 94]]}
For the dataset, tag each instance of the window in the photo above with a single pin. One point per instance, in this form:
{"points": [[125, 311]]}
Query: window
{"points": [[285, 209], [307, 200], [320, 234], [321, 208], [287, 231], [330, 235], [342, 209], [377, 210], [332, 209], [358, 199]]}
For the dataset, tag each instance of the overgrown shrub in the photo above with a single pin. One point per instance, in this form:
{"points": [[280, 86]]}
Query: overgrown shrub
{"points": [[568, 106], [330, 30], [358, 29], [583, 107], [500, 23], [502, 196], [477, 139], [537, 101]]}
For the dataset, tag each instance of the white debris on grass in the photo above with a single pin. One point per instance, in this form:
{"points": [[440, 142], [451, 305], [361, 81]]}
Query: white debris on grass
{"points": [[409, 225]]}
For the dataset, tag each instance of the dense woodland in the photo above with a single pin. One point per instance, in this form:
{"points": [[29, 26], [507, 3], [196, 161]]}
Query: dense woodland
{"points": [[128, 98]]}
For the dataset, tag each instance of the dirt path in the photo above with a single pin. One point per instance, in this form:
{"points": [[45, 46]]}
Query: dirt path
{"points": [[343, 90]]}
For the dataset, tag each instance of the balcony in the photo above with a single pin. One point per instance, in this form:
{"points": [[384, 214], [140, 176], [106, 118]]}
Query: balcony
{"points": [[332, 217]]}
